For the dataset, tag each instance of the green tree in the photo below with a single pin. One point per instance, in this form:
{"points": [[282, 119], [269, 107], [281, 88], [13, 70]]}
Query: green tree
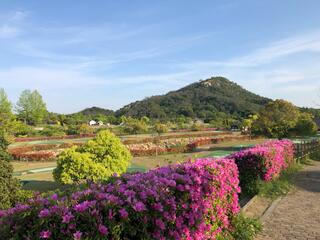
{"points": [[85, 129], [248, 122], [98, 159], [5, 107], [276, 119], [305, 125], [160, 128], [31, 107], [135, 126]]}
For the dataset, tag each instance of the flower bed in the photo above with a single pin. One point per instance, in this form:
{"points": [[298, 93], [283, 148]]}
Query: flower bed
{"points": [[186, 201], [166, 137], [47, 155], [179, 145], [29, 139], [263, 163], [39, 152]]}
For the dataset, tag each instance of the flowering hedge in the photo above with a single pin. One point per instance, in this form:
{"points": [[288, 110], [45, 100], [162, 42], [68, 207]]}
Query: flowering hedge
{"points": [[263, 162], [186, 201]]}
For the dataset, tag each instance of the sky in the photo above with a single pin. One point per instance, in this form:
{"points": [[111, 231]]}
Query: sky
{"points": [[108, 53]]}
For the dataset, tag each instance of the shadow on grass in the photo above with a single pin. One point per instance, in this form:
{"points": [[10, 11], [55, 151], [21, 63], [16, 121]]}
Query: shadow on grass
{"points": [[40, 185]]}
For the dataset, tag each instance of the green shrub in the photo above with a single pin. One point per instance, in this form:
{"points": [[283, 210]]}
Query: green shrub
{"points": [[72, 130], [85, 129], [196, 127], [160, 128], [244, 228], [306, 125], [23, 195], [53, 130], [98, 159], [135, 126], [315, 155], [21, 129], [279, 186], [8, 185]]}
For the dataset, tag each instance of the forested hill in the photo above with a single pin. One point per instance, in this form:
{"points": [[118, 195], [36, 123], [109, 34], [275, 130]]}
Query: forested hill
{"points": [[203, 99], [94, 111]]}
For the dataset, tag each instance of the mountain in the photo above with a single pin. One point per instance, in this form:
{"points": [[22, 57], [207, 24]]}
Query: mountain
{"points": [[95, 111], [204, 99]]}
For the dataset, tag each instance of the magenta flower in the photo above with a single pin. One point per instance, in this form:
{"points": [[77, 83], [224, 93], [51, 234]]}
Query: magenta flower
{"points": [[45, 234], [123, 213], [139, 207], [77, 235], [44, 213], [67, 217], [103, 229]]}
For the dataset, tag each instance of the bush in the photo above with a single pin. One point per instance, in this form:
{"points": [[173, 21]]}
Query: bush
{"points": [[263, 163], [160, 128], [8, 185], [279, 186], [305, 125], [97, 159], [196, 126], [53, 130], [135, 126], [21, 129], [244, 228], [187, 201], [72, 130], [85, 129]]}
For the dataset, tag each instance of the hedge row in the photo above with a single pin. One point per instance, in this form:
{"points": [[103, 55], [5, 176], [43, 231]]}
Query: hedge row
{"points": [[187, 201], [262, 163]]}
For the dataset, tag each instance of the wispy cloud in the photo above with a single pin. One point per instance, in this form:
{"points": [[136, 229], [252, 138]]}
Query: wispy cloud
{"points": [[306, 42], [10, 24], [309, 42]]}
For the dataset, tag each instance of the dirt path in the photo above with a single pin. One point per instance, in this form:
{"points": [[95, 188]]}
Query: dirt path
{"points": [[297, 215]]}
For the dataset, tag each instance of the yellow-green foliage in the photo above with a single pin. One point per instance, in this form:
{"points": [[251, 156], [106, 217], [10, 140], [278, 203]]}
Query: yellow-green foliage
{"points": [[97, 159]]}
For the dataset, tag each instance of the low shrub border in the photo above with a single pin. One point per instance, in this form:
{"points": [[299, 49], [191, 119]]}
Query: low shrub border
{"points": [[187, 201]]}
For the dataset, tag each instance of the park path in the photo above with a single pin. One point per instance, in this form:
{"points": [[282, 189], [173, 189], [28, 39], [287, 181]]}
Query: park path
{"points": [[297, 215]]}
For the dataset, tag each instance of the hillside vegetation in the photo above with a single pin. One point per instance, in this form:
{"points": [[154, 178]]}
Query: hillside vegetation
{"points": [[204, 99]]}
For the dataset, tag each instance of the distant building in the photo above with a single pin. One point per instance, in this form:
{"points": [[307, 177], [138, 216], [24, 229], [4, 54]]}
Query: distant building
{"points": [[92, 123], [100, 123]]}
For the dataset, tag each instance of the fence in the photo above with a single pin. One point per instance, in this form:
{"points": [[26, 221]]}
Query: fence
{"points": [[304, 148]]}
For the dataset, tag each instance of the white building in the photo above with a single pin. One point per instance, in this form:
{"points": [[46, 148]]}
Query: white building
{"points": [[92, 123]]}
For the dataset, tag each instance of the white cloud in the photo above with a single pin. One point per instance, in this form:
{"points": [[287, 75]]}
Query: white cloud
{"points": [[10, 24]]}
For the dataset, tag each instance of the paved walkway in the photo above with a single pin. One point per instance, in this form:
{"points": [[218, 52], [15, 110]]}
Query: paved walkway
{"points": [[297, 215]]}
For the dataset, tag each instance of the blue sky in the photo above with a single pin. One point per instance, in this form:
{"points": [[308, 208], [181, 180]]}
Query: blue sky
{"points": [[109, 53]]}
